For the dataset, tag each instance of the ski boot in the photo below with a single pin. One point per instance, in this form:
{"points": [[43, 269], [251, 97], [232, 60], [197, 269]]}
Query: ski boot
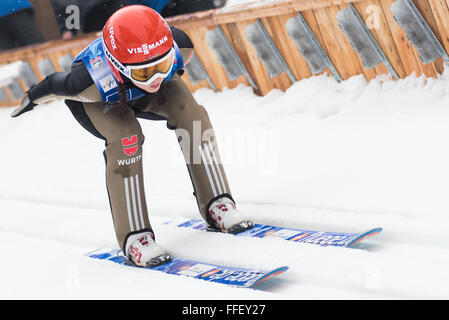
{"points": [[144, 252], [227, 218]]}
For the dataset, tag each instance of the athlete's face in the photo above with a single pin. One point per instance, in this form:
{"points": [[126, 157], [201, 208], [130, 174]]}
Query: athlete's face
{"points": [[150, 88]]}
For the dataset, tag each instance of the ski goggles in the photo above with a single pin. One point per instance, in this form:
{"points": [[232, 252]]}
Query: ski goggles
{"points": [[147, 73], [144, 73]]}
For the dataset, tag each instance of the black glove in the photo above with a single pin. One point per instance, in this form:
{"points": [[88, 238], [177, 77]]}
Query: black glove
{"points": [[25, 106]]}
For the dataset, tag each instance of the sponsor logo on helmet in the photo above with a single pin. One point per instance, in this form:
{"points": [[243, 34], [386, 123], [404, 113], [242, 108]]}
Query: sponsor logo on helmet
{"points": [[145, 48], [111, 36], [114, 61]]}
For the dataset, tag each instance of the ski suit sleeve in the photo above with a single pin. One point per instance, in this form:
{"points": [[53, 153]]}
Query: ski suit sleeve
{"points": [[76, 84], [184, 43]]}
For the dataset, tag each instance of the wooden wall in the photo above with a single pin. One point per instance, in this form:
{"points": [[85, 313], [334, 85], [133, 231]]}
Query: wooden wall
{"points": [[320, 15], [33, 55]]}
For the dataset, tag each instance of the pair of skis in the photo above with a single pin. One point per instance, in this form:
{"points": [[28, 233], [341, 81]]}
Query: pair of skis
{"points": [[240, 277]]}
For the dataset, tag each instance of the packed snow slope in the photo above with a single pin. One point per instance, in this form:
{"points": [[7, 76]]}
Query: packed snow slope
{"points": [[323, 155]]}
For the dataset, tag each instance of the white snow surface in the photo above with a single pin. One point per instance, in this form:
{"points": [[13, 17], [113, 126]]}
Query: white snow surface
{"points": [[231, 3], [322, 155]]}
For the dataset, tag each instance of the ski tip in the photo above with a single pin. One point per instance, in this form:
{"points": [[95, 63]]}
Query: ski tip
{"points": [[270, 274], [365, 235]]}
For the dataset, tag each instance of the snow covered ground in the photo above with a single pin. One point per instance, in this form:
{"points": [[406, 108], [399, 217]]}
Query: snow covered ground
{"points": [[323, 155], [230, 3]]}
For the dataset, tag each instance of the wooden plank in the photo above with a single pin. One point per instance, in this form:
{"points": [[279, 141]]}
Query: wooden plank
{"points": [[75, 52], [279, 35], [208, 58], [352, 58], [276, 28], [404, 48], [7, 102], [249, 57], [12, 102], [242, 79], [319, 14], [373, 15], [368, 73], [194, 87], [54, 64], [300, 5], [309, 17], [340, 51], [194, 20], [22, 85], [54, 58], [45, 48], [425, 9], [251, 11], [439, 65], [263, 9], [34, 66], [14, 55], [328, 41], [427, 69], [440, 10]]}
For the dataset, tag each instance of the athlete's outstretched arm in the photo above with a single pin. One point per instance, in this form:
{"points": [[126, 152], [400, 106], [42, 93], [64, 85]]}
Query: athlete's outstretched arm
{"points": [[75, 84]]}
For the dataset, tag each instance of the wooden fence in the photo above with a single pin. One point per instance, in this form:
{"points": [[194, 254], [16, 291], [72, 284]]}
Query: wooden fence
{"points": [[255, 43]]}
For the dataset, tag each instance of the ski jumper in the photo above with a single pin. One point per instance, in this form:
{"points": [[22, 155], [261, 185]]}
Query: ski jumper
{"points": [[91, 92]]}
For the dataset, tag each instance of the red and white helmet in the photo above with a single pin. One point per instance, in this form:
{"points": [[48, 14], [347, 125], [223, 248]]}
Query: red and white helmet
{"points": [[138, 44]]}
